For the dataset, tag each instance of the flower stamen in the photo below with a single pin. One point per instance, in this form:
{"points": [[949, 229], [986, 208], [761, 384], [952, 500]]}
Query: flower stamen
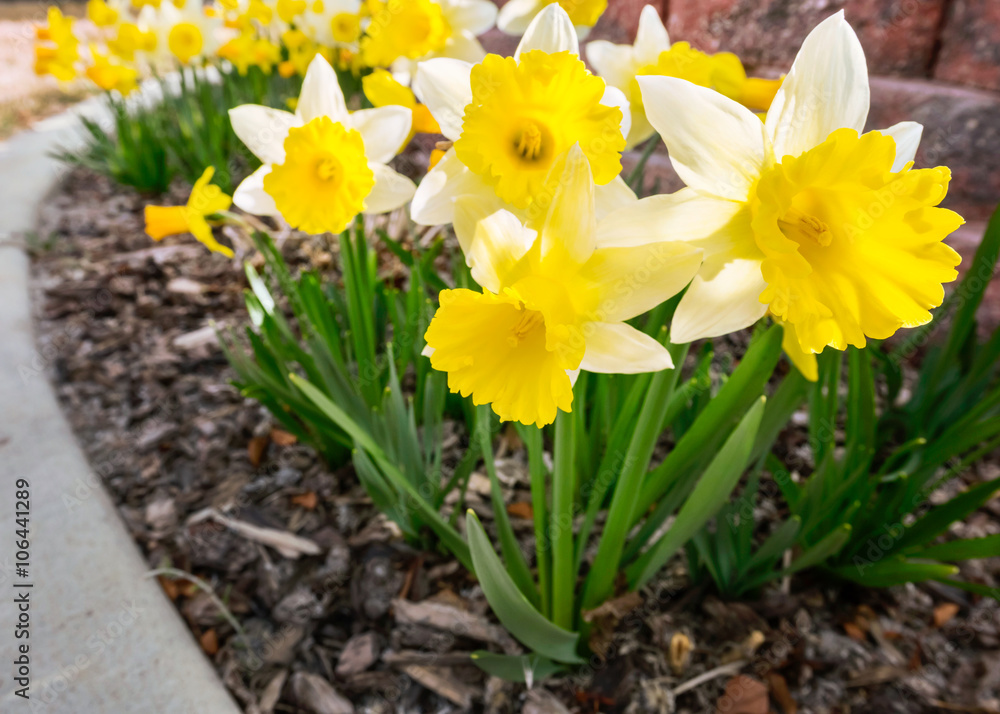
{"points": [[796, 223], [529, 146]]}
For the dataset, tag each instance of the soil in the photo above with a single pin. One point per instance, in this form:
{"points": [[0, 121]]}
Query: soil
{"points": [[370, 623]]}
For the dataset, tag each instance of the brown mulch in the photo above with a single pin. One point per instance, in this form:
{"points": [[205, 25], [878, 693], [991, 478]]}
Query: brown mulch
{"points": [[370, 623]]}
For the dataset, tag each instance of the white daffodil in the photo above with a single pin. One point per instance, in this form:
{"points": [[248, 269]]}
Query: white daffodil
{"points": [[512, 118], [332, 23], [322, 165], [186, 34], [401, 34], [830, 230], [556, 295], [516, 15], [652, 54]]}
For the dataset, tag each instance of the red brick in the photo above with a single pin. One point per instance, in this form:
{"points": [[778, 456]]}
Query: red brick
{"points": [[898, 35], [970, 44]]}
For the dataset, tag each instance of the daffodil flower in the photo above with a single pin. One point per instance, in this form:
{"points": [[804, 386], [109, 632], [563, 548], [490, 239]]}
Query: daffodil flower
{"points": [[554, 301], [830, 230], [512, 118], [109, 75], [322, 164], [206, 199], [652, 54], [186, 34], [398, 35], [332, 23], [516, 15], [383, 90]]}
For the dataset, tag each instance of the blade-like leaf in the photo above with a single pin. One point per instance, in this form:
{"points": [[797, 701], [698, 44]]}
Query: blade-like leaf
{"points": [[712, 490], [529, 668], [966, 549], [886, 573], [511, 607]]}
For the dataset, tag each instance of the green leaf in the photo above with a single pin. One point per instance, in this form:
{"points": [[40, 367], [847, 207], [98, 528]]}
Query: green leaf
{"points": [[712, 490], [745, 385], [977, 588], [826, 548], [887, 573], [936, 521], [965, 549], [516, 564], [780, 540], [511, 607], [529, 668]]}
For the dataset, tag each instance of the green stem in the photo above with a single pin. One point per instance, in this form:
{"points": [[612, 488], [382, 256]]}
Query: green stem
{"points": [[561, 525], [533, 441], [638, 173]]}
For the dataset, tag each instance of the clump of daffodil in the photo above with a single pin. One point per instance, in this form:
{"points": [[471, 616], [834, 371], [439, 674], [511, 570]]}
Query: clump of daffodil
{"points": [[516, 15], [110, 75], [206, 201], [188, 34], [383, 90], [399, 34], [830, 230], [247, 50], [511, 118], [556, 294], [131, 39], [57, 48], [334, 24], [322, 166], [101, 13], [652, 54]]}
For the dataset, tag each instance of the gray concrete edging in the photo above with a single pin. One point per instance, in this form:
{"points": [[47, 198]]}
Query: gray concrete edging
{"points": [[104, 639]]}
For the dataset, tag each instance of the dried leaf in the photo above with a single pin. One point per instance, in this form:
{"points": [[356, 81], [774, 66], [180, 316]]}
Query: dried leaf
{"points": [[744, 695], [209, 642], [944, 612], [521, 509], [779, 690], [855, 632], [307, 500], [283, 438], [605, 618], [256, 449], [170, 587]]}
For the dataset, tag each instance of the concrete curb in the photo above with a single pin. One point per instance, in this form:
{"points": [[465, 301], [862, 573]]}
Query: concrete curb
{"points": [[104, 639]]}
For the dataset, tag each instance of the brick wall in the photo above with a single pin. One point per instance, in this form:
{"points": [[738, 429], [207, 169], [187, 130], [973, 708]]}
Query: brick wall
{"points": [[932, 61]]}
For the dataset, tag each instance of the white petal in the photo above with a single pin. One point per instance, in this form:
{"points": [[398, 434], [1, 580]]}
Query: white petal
{"points": [[907, 135], [715, 144], [635, 280], [615, 63], [682, 216], [651, 38], [464, 46], [721, 302], [570, 224], [640, 131], [614, 97], [551, 31], [516, 15], [443, 84], [384, 130], [617, 348], [321, 95], [434, 201], [475, 16], [263, 130], [492, 243], [826, 89], [611, 196], [251, 197], [391, 190]]}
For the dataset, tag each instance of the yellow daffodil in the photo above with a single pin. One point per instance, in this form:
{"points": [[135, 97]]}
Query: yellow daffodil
{"points": [[830, 230], [247, 50], [512, 118], [131, 39], [516, 15], [399, 34], [383, 90], [322, 165], [556, 294], [101, 14], [206, 199], [188, 34], [58, 49], [652, 54], [332, 23], [110, 76]]}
